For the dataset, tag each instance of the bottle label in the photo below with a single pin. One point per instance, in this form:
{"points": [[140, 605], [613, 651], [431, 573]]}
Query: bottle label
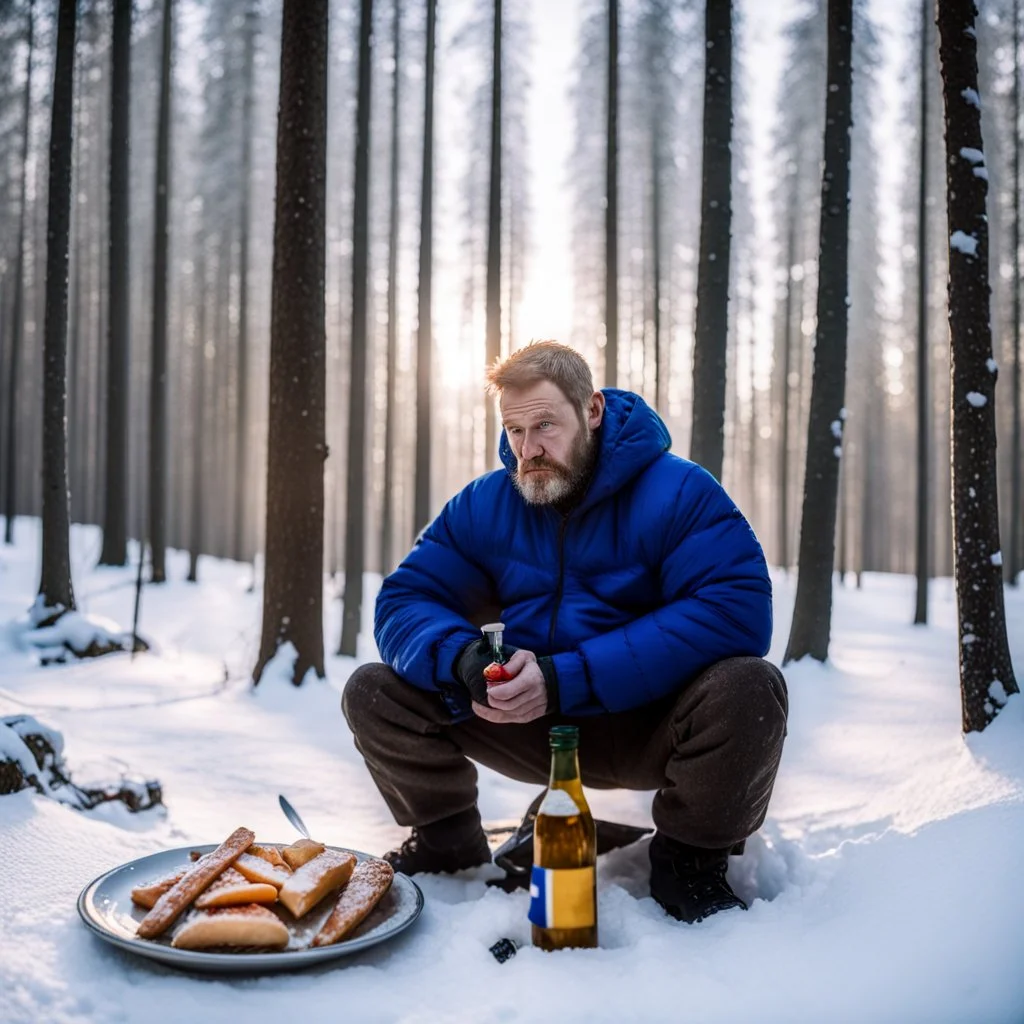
{"points": [[562, 897]]}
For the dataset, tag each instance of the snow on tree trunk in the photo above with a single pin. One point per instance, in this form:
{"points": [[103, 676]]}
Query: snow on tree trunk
{"points": [[55, 581], [296, 442], [712, 316], [812, 613], [355, 512], [986, 673]]}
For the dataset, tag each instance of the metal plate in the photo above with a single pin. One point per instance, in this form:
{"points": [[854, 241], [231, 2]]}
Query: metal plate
{"points": [[105, 905]]}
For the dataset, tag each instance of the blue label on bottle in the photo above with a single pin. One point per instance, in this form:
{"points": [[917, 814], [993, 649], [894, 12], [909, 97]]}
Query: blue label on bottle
{"points": [[562, 897]]}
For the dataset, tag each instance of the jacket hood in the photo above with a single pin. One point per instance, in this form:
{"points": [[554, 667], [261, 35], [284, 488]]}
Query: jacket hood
{"points": [[631, 436]]}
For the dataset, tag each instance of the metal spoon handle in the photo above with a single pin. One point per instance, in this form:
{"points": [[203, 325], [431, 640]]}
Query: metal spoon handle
{"points": [[292, 815]]}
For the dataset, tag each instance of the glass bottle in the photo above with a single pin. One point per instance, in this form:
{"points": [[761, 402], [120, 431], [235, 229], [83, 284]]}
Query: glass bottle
{"points": [[563, 885]]}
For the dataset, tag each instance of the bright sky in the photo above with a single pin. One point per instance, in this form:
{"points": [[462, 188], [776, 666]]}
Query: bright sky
{"points": [[546, 311]]}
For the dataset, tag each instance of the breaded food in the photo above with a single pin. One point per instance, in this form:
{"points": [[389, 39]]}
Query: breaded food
{"points": [[365, 889], [256, 869], [170, 906], [315, 879], [148, 893], [250, 925], [232, 889], [271, 854], [302, 851]]}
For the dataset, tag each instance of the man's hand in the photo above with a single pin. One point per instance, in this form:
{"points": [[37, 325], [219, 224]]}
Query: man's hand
{"points": [[522, 699]]}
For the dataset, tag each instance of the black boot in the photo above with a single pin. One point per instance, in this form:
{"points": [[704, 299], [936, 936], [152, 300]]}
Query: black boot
{"points": [[451, 844], [688, 881]]}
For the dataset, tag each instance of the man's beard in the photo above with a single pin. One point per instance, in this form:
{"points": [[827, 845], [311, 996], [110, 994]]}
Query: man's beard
{"points": [[562, 485]]}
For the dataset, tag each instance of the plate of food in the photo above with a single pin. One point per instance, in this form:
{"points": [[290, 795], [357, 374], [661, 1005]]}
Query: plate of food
{"points": [[246, 907]]}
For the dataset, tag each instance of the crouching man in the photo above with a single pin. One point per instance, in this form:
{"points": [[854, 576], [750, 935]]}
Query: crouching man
{"points": [[638, 606]]}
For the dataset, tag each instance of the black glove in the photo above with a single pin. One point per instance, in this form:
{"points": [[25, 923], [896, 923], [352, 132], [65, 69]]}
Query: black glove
{"points": [[478, 654], [470, 664]]}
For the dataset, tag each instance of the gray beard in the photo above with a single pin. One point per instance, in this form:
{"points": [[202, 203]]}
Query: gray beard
{"points": [[563, 486]]}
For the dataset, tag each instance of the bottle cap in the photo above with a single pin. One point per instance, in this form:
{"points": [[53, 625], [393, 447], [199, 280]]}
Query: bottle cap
{"points": [[564, 737]]}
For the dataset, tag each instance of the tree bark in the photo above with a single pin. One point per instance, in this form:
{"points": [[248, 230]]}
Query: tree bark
{"points": [[1015, 562], [812, 612], [707, 440], [355, 511], [611, 208], [923, 388], [424, 326], [199, 438], [18, 305], [115, 503], [158, 365], [787, 369], [55, 591], [242, 552], [494, 239], [394, 214], [986, 673], [296, 446]]}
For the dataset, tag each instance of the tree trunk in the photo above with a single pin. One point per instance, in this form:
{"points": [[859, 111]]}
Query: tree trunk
{"points": [[494, 240], [424, 327], [242, 552], [787, 355], [55, 590], [296, 443], [115, 504], [712, 315], [1015, 563], [355, 506], [394, 213], [812, 613], [656, 269], [923, 389], [986, 673], [199, 436], [611, 207], [158, 366], [18, 310]]}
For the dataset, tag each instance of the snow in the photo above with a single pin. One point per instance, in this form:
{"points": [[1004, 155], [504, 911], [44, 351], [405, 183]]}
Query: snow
{"points": [[992, 365], [963, 242], [837, 429], [971, 98], [838, 451], [882, 884], [979, 401], [975, 156], [997, 558]]}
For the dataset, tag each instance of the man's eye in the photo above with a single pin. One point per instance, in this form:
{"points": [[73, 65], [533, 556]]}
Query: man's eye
{"points": [[514, 430], [546, 423]]}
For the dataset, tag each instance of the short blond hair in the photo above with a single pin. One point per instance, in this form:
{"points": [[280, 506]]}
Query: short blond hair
{"points": [[545, 360]]}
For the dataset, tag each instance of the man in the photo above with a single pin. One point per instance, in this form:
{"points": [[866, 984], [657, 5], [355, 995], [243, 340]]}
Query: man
{"points": [[638, 606]]}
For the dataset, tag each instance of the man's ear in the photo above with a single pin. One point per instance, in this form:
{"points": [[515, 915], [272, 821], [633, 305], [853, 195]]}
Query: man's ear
{"points": [[595, 411]]}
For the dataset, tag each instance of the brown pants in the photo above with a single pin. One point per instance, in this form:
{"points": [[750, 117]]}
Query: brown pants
{"points": [[711, 751]]}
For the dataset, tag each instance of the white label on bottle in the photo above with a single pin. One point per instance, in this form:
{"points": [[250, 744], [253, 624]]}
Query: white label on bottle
{"points": [[557, 803]]}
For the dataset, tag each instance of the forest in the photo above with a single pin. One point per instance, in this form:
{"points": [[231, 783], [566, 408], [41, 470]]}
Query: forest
{"points": [[257, 260]]}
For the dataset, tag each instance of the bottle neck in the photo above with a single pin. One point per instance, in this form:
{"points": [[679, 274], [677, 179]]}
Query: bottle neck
{"points": [[565, 766]]}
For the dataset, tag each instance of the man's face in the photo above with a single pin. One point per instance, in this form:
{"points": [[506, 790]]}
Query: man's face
{"points": [[552, 447]]}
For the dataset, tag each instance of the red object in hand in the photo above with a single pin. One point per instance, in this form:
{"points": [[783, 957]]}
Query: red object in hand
{"points": [[495, 673]]}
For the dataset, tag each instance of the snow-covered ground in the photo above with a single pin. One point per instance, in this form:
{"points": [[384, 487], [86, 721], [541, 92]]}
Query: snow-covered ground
{"points": [[885, 885]]}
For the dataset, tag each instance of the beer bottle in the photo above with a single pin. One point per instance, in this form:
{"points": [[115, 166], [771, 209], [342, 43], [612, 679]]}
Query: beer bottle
{"points": [[563, 885]]}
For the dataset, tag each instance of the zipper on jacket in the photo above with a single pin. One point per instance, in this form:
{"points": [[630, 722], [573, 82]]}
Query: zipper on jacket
{"points": [[561, 581]]}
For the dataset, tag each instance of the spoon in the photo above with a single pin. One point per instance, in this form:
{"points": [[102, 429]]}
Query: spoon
{"points": [[292, 815]]}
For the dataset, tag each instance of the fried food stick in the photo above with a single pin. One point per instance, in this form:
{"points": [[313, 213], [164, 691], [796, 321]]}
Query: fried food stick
{"points": [[365, 889], [170, 906], [315, 879]]}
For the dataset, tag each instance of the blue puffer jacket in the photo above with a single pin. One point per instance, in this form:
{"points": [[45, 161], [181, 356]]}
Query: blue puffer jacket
{"points": [[651, 578]]}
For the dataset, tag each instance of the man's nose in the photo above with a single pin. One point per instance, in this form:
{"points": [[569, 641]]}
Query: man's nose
{"points": [[532, 447]]}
